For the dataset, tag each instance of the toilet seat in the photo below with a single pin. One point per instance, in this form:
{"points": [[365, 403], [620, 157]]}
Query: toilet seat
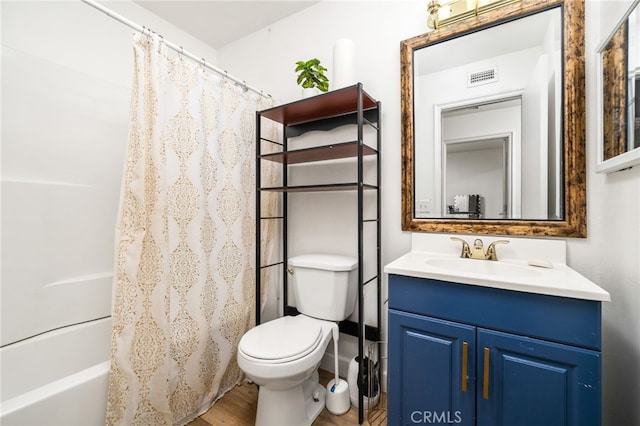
{"points": [[282, 340]]}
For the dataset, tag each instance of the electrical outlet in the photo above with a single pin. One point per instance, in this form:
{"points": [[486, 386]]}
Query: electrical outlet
{"points": [[424, 206]]}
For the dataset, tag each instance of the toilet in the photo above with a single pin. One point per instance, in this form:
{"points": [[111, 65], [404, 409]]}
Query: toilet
{"points": [[282, 356]]}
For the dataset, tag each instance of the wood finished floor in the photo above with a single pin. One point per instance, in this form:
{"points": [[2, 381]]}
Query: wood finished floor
{"points": [[238, 408]]}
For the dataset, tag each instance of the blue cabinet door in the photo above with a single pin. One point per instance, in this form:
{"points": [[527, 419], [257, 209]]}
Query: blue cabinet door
{"points": [[431, 371], [530, 382]]}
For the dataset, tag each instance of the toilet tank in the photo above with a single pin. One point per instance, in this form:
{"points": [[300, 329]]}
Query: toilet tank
{"points": [[325, 285]]}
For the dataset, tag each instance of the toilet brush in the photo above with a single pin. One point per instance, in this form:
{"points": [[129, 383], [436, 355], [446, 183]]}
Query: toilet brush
{"points": [[337, 400]]}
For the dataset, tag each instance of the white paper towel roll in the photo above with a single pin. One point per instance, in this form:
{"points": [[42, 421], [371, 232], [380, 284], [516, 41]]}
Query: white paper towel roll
{"points": [[344, 63]]}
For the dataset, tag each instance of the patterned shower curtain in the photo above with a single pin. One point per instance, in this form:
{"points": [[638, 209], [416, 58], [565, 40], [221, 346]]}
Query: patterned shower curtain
{"points": [[185, 270]]}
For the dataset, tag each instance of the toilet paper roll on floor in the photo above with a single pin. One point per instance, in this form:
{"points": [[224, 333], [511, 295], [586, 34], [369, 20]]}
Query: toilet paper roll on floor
{"points": [[344, 63]]}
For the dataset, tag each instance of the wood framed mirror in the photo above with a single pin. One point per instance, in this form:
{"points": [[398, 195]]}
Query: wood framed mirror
{"points": [[558, 180], [619, 95]]}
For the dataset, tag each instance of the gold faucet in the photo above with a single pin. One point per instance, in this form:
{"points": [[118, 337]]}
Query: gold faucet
{"points": [[492, 254], [466, 251], [478, 249]]}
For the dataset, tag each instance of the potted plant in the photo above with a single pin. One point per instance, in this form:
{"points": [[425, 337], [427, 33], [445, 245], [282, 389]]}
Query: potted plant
{"points": [[311, 77]]}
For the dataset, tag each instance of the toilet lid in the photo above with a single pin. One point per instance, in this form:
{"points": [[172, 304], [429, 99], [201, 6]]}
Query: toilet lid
{"points": [[283, 339]]}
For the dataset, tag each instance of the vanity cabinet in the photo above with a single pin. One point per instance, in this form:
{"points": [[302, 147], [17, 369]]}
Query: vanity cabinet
{"points": [[472, 355]]}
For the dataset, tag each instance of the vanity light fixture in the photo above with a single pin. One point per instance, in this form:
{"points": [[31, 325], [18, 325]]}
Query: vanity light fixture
{"points": [[445, 12]]}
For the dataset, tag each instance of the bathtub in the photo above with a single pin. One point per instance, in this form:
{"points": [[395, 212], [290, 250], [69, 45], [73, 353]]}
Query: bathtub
{"points": [[57, 378]]}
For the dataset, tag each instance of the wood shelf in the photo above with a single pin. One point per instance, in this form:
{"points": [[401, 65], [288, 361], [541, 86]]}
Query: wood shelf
{"points": [[327, 105], [322, 153]]}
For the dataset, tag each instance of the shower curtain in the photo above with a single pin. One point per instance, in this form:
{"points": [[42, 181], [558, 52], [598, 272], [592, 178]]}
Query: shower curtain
{"points": [[185, 270]]}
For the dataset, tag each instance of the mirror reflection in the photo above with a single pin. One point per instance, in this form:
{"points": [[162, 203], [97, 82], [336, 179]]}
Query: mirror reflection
{"points": [[478, 165], [488, 123], [620, 63]]}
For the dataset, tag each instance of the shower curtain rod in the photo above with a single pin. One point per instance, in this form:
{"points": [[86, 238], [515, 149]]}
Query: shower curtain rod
{"points": [[173, 46]]}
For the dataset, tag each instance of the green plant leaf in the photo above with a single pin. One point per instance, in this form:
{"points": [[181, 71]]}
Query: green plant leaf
{"points": [[311, 74]]}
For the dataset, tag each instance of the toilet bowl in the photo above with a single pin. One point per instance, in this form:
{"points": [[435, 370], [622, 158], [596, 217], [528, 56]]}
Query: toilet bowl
{"points": [[282, 355]]}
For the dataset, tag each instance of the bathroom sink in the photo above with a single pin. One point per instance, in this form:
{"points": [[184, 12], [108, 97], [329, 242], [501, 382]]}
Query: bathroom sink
{"points": [[436, 257], [484, 267]]}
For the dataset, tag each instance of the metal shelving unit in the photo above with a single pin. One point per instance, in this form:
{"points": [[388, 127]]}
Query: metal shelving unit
{"points": [[347, 106]]}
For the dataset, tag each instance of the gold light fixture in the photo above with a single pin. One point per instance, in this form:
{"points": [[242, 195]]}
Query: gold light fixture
{"points": [[445, 12]]}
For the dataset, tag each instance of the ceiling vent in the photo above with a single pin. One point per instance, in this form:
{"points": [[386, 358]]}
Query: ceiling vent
{"points": [[477, 78]]}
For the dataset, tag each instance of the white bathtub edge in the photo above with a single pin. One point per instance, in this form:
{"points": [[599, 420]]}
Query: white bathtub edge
{"points": [[52, 389]]}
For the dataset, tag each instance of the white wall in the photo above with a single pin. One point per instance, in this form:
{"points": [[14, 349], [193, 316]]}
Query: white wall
{"points": [[609, 256], [479, 171]]}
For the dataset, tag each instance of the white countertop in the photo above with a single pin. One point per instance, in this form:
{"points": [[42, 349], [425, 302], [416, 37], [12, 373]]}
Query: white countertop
{"points": [[513, 273]]}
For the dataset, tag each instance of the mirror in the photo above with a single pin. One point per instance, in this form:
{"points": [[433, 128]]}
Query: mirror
{"points": [[511, 92], [619, 95], [493, 128]]}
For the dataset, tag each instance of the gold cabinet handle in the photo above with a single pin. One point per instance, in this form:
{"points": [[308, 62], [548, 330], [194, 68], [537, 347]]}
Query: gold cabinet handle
{"points": [[465, 358], [485, 382]]}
